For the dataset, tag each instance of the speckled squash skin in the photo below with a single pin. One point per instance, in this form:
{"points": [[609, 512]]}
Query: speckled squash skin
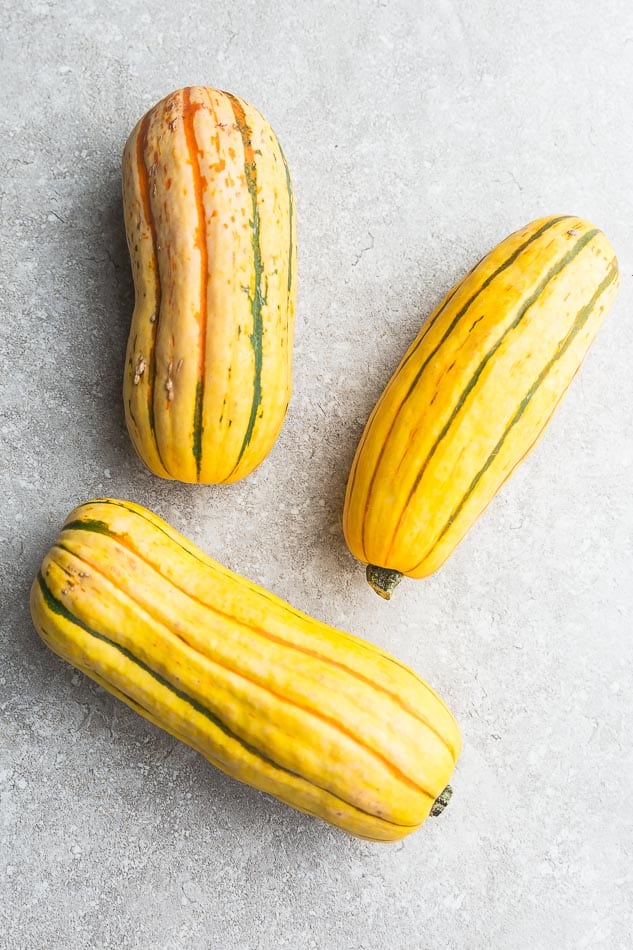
{"points": [[473, 394], [210, 225], [318, 718]]}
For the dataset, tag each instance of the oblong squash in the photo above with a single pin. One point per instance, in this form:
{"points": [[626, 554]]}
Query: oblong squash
{"points": [[318, 718], [473, 394], [210, 224]]}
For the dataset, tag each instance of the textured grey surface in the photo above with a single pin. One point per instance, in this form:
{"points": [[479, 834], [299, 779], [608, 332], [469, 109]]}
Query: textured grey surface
{"points": [[418, 134]]}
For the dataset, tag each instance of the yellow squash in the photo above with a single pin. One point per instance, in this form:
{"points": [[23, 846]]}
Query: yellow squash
{"points": [[318, 718], [473, 394], [210, 226]]}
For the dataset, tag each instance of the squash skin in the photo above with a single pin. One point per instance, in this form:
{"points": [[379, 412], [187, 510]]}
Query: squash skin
{"points": [[473, 394], [210, 224], [318, 718]]}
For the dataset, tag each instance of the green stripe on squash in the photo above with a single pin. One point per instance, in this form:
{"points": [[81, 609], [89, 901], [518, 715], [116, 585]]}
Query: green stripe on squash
{"points": [[256, 298], [141, 167]]}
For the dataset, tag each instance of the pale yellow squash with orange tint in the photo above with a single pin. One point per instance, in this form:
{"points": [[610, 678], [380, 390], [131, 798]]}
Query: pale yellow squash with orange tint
{"points": [[318, 718], [473, 394], [210, 226]]}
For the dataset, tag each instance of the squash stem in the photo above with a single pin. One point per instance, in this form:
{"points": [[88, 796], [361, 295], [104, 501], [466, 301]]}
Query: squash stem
{"points": [[441, 801], [383, 580]]}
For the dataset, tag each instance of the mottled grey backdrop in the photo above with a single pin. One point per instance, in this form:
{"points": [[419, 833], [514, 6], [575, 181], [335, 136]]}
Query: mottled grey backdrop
{"points": [[418, 134]]}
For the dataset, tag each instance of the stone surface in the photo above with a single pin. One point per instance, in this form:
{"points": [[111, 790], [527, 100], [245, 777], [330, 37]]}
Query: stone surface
{"points": [[418, 135]]}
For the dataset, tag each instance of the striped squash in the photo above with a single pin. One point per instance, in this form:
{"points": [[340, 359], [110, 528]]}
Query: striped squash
{"points": [[210, 226], [473, 394], [318, 718]]}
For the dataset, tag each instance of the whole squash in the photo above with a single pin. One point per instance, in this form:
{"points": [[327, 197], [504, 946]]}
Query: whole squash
{"points": [[210, 224], [473, 394], [318, 718]]}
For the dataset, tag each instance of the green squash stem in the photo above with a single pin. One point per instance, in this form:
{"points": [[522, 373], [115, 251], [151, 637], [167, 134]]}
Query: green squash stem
{"points": [[441, 801], [383, 580]]}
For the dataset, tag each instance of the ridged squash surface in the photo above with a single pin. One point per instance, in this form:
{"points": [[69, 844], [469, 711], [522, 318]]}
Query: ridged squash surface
{"points": [[210, 225], [318, 718], [474, 393]]}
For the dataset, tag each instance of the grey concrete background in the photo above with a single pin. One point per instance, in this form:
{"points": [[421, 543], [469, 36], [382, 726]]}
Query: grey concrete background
{"points": [[418, 135]]}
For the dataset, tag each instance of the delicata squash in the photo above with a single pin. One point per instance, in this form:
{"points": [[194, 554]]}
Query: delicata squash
{"points": [[210, 224], [473, 394], [318, 718]]}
